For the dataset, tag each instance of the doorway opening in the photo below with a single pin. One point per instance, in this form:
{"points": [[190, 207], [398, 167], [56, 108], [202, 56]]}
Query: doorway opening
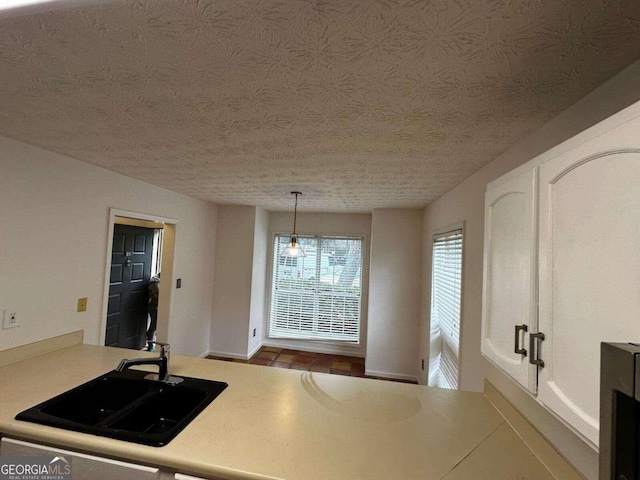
{"points": [[136, 304]]}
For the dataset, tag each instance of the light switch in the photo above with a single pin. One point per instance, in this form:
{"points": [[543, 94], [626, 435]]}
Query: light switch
{"points": [[82, 304]]}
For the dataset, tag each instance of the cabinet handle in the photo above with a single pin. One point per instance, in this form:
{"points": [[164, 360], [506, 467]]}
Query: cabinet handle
{"points": [[516, 347], [533, 348]]}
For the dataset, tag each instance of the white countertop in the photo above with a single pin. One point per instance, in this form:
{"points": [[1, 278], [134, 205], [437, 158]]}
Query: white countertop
{"points": [[275, 423]]}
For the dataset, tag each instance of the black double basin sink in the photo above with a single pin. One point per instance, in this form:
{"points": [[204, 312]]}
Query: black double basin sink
{"points": [[126, 406]]}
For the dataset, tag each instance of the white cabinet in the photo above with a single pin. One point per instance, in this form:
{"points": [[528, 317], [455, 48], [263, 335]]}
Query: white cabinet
{"points": [[587, 264], [589, 268], [84, 467], [509, 303]]}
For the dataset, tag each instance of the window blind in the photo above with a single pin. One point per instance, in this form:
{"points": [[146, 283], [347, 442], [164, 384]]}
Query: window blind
{"points": [[317, 296], [446, 285]]}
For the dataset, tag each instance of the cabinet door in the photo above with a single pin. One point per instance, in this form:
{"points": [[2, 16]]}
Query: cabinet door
{"points": [[509, 276], [84, 467], [589, 268]]}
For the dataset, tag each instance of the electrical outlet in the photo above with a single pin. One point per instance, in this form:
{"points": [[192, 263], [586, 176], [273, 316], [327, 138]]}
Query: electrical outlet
{"points": [[82, 304], [423, 364], [10, 319], [254, 332]]}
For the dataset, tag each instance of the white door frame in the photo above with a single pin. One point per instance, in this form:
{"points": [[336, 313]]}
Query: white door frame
{"points": [[164, 306]]}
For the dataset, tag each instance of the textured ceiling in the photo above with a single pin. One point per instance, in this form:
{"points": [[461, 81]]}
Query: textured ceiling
{"points": [[359, 104]]}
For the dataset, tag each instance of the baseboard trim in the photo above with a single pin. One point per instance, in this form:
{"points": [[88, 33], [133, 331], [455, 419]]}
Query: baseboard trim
{"points": [[235, 355], [227, 355], [395, 376], [253, 352]]}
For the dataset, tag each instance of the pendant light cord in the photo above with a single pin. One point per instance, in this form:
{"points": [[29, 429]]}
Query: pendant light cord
{"points": [[295, 213]]}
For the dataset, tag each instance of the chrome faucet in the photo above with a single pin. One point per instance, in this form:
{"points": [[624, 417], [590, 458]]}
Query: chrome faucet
{"points": [[162, 361]]}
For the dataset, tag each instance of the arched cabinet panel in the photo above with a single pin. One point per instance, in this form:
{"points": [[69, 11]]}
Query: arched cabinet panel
{"points": [[589, 275], [509, 277]]}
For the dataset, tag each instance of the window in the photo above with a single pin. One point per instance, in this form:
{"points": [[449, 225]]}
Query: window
{"points": [[318, 296], [446, 282], [288, 261]]}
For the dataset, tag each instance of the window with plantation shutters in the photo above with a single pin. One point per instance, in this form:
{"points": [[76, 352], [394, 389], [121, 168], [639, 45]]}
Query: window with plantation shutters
{"points": [[446, 285], [317, 296]]}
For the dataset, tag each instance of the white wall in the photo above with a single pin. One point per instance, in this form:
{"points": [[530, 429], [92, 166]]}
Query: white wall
{"points": [[258, 279], [390, 342], [394, 293], [323, 224], [233, 281], [466, 203], [54, 218]]}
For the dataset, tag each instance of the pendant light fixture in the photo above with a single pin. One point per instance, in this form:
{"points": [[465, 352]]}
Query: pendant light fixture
{"points": [[293, 248]]}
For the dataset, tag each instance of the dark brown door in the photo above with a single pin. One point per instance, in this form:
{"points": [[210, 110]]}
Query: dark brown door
{"points": [[128, 293]]}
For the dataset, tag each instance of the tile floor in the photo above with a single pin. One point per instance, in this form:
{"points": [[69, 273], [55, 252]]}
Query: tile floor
{"points": [[308, 361]]}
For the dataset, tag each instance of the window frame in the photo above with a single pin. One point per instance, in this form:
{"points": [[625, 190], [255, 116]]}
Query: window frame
{"points": [[326, 345], [440, 232]]}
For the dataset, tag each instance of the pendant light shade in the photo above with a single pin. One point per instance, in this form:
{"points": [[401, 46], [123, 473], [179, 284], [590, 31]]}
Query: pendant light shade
{"points": [[293, 248]]}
